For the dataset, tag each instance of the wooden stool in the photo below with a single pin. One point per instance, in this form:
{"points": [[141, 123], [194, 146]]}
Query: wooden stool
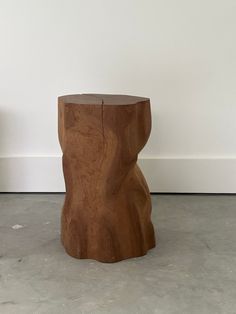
{"points": [[106, 214]]}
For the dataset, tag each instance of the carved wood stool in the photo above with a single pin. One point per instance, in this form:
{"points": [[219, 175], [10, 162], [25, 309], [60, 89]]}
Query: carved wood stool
{"points": [[107, 208]]}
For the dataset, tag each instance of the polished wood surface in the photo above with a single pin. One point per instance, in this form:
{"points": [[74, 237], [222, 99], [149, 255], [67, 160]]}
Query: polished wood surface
{"points": [[107, 208]]}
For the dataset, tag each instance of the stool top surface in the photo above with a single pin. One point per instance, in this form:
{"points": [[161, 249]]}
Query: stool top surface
{"points": [[102, 99]]}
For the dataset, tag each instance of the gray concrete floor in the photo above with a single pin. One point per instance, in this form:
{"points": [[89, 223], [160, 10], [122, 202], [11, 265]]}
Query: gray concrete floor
{"points": [[192, 270]]}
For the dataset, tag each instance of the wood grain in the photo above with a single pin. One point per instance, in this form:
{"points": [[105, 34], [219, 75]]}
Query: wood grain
{"points": [[107, 208]]}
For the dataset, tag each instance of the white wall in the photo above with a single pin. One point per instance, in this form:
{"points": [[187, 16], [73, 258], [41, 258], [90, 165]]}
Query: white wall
{"points": [[181, 54]]}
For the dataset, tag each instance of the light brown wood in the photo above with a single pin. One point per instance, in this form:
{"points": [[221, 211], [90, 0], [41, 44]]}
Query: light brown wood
{"points": [[106, 214]]}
